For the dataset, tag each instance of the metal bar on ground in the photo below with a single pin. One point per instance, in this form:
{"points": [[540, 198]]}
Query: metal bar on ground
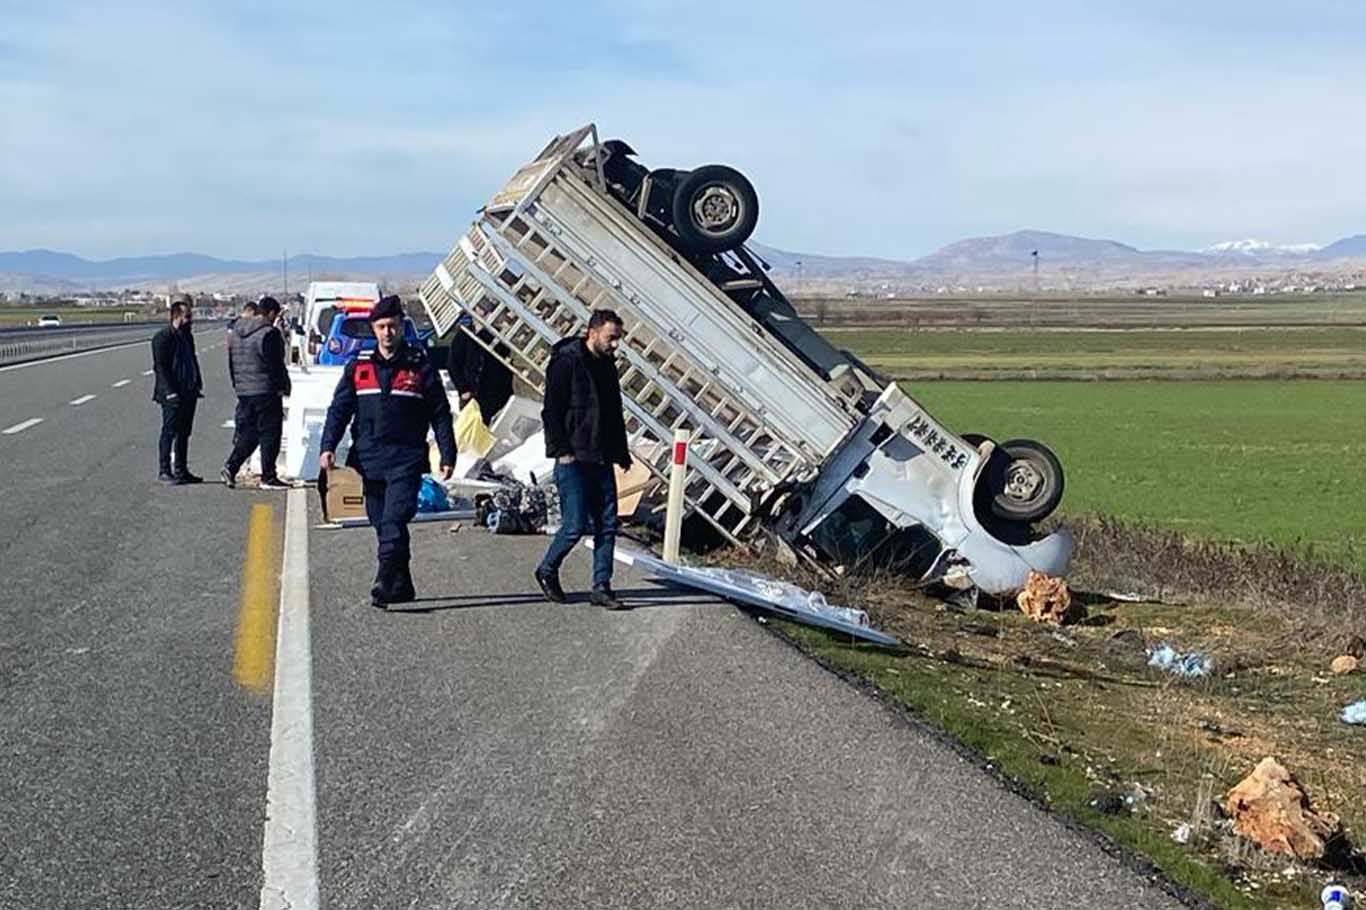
{"points": [[693, 578]]}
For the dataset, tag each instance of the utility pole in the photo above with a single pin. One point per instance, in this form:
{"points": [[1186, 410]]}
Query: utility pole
{"points": [[285, 263]]}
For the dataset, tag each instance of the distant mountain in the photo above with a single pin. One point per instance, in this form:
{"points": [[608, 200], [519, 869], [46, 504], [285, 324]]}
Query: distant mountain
{"points": [[1347, 246], [815, 265], [1015, 251], [1065, 261], [64, 267]]}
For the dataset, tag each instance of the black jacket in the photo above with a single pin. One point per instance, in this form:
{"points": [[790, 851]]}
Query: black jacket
{"points": [[576, 421], [392, 402], [165, 354], [256, 358], [473, 370]]}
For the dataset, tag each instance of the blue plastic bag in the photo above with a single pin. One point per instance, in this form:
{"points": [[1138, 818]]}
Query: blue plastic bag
{"points": [[431, 496]]}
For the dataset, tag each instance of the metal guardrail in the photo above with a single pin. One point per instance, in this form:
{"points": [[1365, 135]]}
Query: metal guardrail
{"points": [[23, 344]]}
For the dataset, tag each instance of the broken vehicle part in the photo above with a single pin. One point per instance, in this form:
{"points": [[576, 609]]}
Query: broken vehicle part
{"points": [[750, 588]]}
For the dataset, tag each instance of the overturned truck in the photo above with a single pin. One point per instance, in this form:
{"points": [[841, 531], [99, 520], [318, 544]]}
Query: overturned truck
{"points": [[791, 437]]}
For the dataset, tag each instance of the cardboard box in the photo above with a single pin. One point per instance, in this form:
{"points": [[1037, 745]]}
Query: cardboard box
{"points": [[342, 493], [631, 487]]}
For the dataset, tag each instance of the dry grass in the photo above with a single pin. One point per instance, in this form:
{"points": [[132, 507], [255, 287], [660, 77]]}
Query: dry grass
{"points": [[1069, 712]]}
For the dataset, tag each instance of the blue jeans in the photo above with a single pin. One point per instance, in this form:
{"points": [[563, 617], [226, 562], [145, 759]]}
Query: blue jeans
{"points": [[588, 499]]}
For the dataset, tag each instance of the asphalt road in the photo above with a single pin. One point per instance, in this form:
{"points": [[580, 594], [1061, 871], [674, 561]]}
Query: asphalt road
{"points": [[480, 749]]}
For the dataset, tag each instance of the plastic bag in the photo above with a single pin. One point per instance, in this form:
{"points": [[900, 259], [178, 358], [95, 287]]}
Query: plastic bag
{"points": [[470, 433], [431, 496]]}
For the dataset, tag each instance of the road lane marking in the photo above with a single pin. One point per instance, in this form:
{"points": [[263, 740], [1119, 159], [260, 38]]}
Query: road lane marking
{"points": [[120, 384], [289, 861], [82, 400], [147, 372], [38, 363], [253, 650], [229, 425], [21, 427]]}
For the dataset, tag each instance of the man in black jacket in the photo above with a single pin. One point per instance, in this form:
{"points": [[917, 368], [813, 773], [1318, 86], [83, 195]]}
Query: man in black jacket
{"points": [[476, 373], [256, 363], [394, 394], [178, 389], [585, 432]]}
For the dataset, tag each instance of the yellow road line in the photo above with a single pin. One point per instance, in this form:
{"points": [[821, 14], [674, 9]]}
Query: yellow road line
{"points": [[253, 665]]}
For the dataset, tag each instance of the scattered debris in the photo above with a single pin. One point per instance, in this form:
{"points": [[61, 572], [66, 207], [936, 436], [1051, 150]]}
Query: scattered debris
{"points": [[1047, 599], [1112, 802], [1192, 665], [1336, 897], [1355, 713], [1271, 809], [1215, 730], [1183, 832], [1128, 636], [431, 496], [1345, 664], [789, 600]]}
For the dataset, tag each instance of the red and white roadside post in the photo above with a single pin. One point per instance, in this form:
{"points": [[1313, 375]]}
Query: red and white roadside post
{"points": [[673, 516]]}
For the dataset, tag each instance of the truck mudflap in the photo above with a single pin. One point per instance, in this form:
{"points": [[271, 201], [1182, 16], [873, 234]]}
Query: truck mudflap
{"points": [[900, 492]]}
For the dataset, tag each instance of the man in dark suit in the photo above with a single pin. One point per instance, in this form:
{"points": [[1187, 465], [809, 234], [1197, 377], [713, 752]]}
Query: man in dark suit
{"points": [[179, 386]]}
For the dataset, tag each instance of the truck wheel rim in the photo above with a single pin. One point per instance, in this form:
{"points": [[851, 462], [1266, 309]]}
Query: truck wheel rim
{"points": [[715, 209], [1023, 481]]}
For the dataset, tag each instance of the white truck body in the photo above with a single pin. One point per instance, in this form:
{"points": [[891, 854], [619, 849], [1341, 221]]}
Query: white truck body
{"points": [[777, 444]]}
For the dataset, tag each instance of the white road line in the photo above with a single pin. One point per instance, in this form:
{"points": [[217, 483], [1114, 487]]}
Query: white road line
{"points": [[82, 400], [290, 857], [229, 425], [21, 427], [38, 363], [120, 384], [147, 372]]}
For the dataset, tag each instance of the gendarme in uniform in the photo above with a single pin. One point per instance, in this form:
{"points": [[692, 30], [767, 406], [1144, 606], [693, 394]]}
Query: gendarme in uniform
{"points": [[390, 398]]}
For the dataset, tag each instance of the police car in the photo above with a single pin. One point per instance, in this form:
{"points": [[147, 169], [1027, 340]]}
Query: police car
{"points": [[351, 334]]}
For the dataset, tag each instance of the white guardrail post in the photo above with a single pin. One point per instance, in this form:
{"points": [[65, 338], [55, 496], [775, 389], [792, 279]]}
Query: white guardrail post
{"points": [[673, 516]]}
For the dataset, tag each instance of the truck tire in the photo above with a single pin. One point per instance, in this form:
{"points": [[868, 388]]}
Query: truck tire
{"points": [[715, 209], [1025, 480]]}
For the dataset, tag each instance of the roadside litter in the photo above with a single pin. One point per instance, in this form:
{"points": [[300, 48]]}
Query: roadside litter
{"points": [[1048, 600], [1270, 808], [1191, 665], [750, 588], [1355, 714], [1345, 664]]}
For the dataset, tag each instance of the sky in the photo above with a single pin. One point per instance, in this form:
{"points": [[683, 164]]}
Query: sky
{"points": [[242, 129]]}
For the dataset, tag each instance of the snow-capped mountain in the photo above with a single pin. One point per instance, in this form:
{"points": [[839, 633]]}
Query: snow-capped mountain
{"points": [[1253, 247]]}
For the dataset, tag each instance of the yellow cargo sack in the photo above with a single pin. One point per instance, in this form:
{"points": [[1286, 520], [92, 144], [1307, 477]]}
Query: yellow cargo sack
{"points": [[470, 433]]}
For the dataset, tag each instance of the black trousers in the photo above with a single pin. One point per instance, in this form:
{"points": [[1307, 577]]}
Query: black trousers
{"points": [[258, 421], [177, 420], [390, 503]]}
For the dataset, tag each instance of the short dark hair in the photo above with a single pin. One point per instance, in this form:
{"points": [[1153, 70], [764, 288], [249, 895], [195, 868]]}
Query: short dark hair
{"points": [[249, 308], [179, 307], [602, 317], [268, 305]]}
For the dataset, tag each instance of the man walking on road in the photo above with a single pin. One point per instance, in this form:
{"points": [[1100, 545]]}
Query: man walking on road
{"points": [[256, 363], [393, 394], [178, 389], [585, 432]]}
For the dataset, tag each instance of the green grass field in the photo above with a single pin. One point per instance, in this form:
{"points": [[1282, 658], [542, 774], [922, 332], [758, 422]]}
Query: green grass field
{"points": [[1338, 352], [1233, 460]]}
